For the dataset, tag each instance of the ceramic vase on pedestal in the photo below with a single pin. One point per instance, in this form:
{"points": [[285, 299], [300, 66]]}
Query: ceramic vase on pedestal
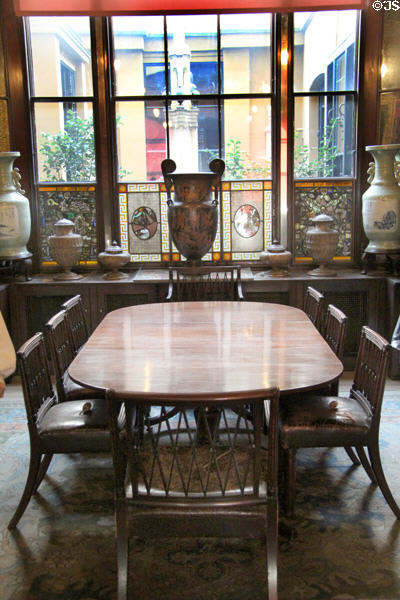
{"points": [[381, 202], [114, 258], [321, 241], [192, 214], [276, 257], [15, 215], [65, 248]]}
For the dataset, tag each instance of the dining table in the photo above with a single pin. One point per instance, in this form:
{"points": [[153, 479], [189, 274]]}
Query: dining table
{"points": [[175, 351]]}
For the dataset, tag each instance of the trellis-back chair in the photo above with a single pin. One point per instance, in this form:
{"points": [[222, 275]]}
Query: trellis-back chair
{"points": [[76, 321], [205, 283], [314, 306], [334, 332], [62, 354], [201, 473], [334, 421], [54, 427]]}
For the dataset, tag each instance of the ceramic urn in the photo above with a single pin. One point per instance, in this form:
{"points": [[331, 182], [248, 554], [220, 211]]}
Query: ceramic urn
{"points": [[321, 241], [192, 212], [276, 257], [65, 249], [15, 215], [381, 201], [114, 258]]}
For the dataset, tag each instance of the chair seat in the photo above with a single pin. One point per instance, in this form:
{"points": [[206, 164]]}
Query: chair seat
{"points": [[319, 421], [74, 391], [68, 427]]}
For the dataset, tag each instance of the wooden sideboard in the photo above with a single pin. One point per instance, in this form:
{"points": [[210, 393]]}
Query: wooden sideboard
{"points": [[364, 298]]}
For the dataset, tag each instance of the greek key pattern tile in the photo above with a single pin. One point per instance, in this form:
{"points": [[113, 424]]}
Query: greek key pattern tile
{"points": [[267, 218], [123, 221]]}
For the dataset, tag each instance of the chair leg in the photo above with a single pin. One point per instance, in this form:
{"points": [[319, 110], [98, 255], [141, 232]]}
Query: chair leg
{"points": [[122, 550], [271, 529], [30, 487], [352, 455], [373, 451], [365, 463], [44, 465], [290, 480]]}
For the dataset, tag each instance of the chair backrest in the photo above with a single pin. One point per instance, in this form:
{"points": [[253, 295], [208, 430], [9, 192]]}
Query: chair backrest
{"points": [[205, 283], [35, 377], [314, 306], [61, 348], [370, 373], [207, 453], [335, 329], [76, 321]]}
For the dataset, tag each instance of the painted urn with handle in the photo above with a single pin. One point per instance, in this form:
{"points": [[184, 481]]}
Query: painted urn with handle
{"points": [[192, 211], [15, 215], [381, 201]]}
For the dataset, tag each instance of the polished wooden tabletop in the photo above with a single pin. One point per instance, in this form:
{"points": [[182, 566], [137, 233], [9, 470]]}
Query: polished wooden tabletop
{"points": [[180, 350]]}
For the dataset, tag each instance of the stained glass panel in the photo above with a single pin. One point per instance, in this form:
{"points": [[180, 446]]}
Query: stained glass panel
{"points": [[77, 203], [246, 222], [315, 197], [247, 216], [4, 131]]}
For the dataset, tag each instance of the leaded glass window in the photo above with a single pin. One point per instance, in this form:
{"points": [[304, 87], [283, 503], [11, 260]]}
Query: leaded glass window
{"points": [[194, 88]]}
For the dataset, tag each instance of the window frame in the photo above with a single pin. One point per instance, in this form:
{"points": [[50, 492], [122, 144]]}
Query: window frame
{"points": [[356, 94]]}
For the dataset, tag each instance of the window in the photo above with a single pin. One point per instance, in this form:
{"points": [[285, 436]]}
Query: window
{"points": [[62, 113], [192, 88], [325, 108]]}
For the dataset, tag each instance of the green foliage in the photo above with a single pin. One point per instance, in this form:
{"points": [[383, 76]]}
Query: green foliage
{"points": [[234, 159], [238, 164], [323, 164], [69, 155]]}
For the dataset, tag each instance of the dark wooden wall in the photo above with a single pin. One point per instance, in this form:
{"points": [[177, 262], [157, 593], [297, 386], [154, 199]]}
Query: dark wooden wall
{"points": [[372, 300]]}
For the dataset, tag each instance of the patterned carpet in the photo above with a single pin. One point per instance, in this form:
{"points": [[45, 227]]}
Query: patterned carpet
{"points": [[345, 541]]}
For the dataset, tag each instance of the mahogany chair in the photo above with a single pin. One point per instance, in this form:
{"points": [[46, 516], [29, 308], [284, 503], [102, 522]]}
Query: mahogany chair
{"points": [[205, 283], [196, 476], [54, 428], [333, 421], [76, 321], [62, 354], [314, 306], [334, 332], [201, 283]]}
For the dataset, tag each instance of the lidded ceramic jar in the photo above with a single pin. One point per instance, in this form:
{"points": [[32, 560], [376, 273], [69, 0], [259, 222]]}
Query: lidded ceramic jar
{"points": [[65, 249], [276, 257], [321, 242], [114, 258], [15, 214]]}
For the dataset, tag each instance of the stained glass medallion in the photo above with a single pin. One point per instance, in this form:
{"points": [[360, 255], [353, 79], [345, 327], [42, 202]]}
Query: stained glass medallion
{"points": [[247, 220]]}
